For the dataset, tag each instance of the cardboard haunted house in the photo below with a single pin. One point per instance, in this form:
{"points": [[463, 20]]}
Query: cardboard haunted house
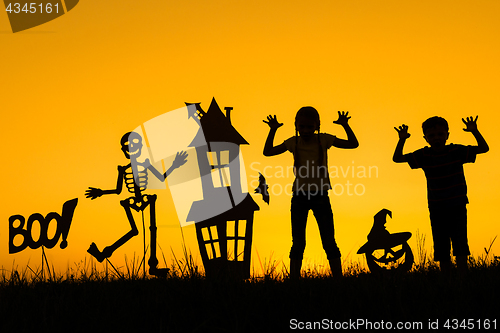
{"points": [[224, 217]]}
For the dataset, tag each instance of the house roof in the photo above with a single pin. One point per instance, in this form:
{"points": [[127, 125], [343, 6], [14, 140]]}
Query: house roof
{"points": [[199, 209], [216, 127]]}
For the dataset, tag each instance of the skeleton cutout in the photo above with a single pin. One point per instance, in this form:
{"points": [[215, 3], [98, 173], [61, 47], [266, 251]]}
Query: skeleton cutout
{"points": [[135, 177], [385, 251]]}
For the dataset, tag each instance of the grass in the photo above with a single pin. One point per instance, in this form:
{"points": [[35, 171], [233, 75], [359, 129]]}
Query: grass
{"points": [[111, 299]]}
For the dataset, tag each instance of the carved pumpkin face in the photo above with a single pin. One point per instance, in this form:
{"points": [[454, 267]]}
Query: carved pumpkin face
{"points": [[399, 257], [385, 251]]}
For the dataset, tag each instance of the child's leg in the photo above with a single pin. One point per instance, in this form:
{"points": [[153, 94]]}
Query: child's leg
{"points": [[459, 237], [441, 238], [299, 211], [462, 263], [324, 217], [445, 265], [336, 267], [295, 266]]}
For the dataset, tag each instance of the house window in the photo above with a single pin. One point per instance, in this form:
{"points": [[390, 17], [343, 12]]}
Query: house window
{"points": [[236, 240], [219, 161], [211, 240]]}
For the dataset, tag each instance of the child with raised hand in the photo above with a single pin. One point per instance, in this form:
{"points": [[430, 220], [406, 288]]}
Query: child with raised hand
{"points": [[310, 187], [446, 187]]}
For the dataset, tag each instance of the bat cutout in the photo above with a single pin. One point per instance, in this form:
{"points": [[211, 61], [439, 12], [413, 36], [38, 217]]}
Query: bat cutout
{"points": [[263, 188]]}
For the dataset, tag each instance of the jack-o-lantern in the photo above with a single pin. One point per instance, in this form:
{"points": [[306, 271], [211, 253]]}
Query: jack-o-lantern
{"points": [[385, 251]]}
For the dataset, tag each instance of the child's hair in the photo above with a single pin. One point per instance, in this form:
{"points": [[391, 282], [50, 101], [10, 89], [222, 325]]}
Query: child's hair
{"points": [[434, 122], [310, 113]]}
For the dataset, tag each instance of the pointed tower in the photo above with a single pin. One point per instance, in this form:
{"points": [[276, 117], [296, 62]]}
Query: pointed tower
{"points": [[224, 218]]}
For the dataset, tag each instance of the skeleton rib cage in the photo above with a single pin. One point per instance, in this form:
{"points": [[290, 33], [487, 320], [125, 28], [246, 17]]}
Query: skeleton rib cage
{"points": [[136, 178]]}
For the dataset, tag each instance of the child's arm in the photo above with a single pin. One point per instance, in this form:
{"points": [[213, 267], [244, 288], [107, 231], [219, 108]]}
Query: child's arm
{"points": [[398, 156], [269, 148], [351, 141], [471, 126]]}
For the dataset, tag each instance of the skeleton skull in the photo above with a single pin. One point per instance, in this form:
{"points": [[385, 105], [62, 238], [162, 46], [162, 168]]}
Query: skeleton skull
{"points": [[131, 145]]}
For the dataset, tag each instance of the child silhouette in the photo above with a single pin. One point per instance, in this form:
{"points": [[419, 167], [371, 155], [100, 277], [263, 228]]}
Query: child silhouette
{"points": [[312, 182], [446, 187]]}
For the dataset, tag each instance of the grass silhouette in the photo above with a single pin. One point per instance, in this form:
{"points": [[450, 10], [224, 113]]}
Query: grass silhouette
{"points": [[91, 298]]}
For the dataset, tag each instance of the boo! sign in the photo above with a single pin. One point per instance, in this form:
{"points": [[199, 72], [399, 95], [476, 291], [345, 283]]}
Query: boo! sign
{"points": [[18, 227]]}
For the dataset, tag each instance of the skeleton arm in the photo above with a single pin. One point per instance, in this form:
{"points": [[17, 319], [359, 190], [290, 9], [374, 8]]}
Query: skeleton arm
{"points": [[180, 159], [93, 192], [156, 172]]}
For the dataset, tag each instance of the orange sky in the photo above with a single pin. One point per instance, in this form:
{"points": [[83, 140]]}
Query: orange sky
{"points": [[72, 87]]}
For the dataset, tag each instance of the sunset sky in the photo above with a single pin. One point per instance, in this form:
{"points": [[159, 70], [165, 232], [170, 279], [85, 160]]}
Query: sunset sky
{"points": [[73, 86]]}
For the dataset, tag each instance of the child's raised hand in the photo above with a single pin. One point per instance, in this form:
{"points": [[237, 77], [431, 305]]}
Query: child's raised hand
{"points": [[470, 124], [343, 118], [273, 122], [403, 131]]}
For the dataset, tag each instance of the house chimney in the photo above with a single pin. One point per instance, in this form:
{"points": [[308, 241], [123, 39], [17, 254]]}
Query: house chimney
{"points": [[228, 113]]}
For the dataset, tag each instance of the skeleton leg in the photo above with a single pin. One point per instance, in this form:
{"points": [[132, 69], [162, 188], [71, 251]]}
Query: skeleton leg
{"points": [[153, 260], [108, 250]]}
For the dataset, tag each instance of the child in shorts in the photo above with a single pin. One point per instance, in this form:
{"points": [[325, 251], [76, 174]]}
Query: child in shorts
{"points": [[446, 187]]}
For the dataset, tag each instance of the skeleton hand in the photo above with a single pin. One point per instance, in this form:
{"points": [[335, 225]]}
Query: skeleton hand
{"points": [[93, 193], [180, 159]]}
